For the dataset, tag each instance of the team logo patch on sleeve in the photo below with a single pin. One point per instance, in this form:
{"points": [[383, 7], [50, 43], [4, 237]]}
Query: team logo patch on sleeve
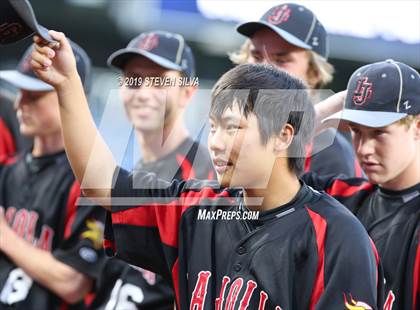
{"points": [[352, 304], [95, 233]]}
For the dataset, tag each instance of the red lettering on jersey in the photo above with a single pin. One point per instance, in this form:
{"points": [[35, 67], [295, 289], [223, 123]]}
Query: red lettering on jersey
{"points": [[219, 301], [250, 287], [200, 291], [234, 290], [30, 230], [389, 302], [45, 240], [263, 300], [19, 224]]}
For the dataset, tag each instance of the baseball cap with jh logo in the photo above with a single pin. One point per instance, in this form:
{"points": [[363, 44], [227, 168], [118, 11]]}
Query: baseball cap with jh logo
{"points": [[294, 23], [166, 49], [380, 94], [18, 21]]}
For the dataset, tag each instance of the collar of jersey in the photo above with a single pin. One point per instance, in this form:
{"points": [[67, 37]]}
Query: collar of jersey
{"points": [[37, 164], [303, 196]]}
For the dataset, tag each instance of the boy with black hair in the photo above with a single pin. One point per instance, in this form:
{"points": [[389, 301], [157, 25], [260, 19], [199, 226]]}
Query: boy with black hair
{"points": [[304, 251]]}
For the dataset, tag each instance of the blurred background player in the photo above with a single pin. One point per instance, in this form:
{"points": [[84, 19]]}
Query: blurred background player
{"points": [[156, 113], [11, 141], [382, 110], [290, 37], [50, 249]]}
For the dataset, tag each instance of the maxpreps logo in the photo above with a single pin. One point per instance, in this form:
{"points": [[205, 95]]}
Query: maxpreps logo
{"points": [[279, 15], [363, 91], [352, 304]]}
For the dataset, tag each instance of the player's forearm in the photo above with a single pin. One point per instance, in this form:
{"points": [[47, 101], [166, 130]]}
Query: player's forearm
{"points": [[44, 268], [327, 108], [91, 160]]}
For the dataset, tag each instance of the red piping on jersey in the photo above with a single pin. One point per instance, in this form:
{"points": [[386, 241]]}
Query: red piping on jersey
{"points": [[71, 208], [110, 245], [186, 167], [375, 251], [320, 226], [7, 145], [308, 148], [343, 189], [175, 278], [416, 280], [165, 216]]}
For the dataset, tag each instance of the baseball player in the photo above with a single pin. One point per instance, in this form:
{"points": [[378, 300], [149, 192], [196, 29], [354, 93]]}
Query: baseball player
{"points": [[382, 110], [11, 141], [168, 150], [305, 250], [7, 138], [290, 37], [50, 249]]}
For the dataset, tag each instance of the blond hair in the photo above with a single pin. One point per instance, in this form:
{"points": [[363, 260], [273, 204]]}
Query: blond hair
{"points": [[408, 120], [319, 69]]}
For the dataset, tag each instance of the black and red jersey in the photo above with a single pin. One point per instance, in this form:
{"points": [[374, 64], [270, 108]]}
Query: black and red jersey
{"points": [[7, 143], [336, 158], [392, 219], [189, 160], [38, 196], [11, 141], [311, 253], [122, 286]]}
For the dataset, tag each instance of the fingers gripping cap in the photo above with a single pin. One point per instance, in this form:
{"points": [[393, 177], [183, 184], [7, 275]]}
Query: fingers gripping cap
{"points": [[18, 21], [24, 78]]}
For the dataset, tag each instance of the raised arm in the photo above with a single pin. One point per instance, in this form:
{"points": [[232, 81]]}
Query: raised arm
{"points": [[91, 160], [327, 108]]}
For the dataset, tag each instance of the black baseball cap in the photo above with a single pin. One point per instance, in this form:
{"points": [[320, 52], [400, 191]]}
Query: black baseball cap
{"points": [[18, 21], [24, 78], [294, 23], [380, 94], [166, 49]]}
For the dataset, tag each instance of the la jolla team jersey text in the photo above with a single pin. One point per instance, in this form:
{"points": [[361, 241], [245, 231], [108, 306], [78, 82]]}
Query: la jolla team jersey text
{"points": [[311, 253]]}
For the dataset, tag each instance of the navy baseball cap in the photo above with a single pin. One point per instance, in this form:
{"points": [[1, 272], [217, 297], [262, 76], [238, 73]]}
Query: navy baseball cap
{"points": [[24, 78], [18, 21], [166, 49], [294, 23], [380, 94]]}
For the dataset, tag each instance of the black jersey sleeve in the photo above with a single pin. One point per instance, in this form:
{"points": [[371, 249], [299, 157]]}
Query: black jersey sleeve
{"points": [[349, 275], [349, 191], [143, 227], [81, 247]]}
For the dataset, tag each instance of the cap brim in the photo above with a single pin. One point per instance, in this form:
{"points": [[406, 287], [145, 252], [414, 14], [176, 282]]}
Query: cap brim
{"points": [[23, 81], [25, 11], [373, 119], [248, 29], [119, 58]]}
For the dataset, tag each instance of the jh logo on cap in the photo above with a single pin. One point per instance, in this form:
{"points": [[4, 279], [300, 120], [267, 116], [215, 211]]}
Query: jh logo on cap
{"points": [[149, 42], [279, 15], [363, 91]]}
